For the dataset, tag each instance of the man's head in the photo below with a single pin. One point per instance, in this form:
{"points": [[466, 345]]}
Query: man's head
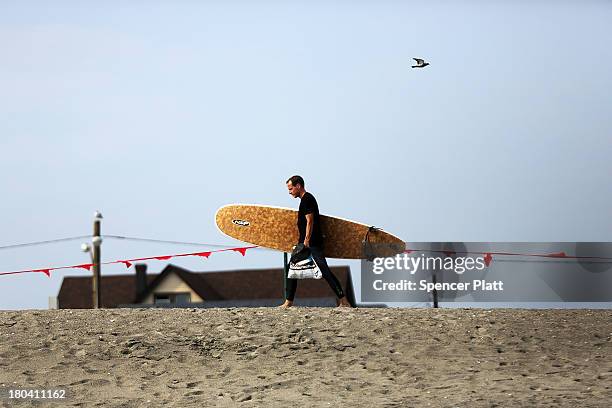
{"points": [[295, 184]]}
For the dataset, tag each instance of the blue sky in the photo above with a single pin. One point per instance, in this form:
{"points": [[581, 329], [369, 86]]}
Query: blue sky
{"points": [[159, 113]]}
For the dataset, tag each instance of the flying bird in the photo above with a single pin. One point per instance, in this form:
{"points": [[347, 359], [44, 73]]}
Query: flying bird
{"points": [[420, 63]]}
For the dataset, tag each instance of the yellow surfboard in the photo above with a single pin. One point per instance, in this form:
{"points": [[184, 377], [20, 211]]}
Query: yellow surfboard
{"points": [[276, 228]]}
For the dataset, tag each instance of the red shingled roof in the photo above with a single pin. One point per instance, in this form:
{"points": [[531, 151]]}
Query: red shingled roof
{"points": [[75, 292]]}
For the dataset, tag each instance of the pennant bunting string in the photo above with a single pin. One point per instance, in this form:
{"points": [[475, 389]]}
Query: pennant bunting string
{"points": [[488, 258], [129, 262]]}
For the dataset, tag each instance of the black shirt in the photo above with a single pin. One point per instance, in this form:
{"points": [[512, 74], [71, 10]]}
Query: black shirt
{"points": [[308, 205]]}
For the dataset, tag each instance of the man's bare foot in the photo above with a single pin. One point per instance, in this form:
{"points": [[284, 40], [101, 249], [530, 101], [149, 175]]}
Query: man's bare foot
{"points": [[344, 302], [286, 305]]}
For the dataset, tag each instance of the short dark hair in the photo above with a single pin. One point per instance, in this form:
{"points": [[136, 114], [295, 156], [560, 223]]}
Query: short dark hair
{"points": [[295, 180]]}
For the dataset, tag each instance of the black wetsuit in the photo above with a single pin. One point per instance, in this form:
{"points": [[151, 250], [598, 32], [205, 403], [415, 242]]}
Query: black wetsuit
{"points": [[308, 205]]}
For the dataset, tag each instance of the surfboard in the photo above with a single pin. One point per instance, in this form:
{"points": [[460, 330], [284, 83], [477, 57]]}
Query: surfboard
{"points": [[276, 228]]}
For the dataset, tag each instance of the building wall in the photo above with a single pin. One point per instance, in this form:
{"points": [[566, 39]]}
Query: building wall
{"points": [[171, 284], [53, 302]]}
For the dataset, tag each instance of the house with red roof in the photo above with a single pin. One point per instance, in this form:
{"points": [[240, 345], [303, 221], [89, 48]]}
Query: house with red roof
{"points": [[178, 287]]}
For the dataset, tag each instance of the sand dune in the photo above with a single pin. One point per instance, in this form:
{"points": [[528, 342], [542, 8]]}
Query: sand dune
{"points": [[310, 357]]}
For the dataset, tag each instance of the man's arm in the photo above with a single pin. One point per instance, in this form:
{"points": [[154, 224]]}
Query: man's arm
{"points": [[309, 226]]}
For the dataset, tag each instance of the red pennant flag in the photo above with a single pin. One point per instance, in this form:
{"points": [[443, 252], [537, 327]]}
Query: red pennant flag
{"points": [[163, 258], [203, 254], [84, 266], [127, 264], [241, 250], [45, 271], [488, 258]]}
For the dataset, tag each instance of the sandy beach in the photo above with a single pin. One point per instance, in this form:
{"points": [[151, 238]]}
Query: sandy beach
{"points": [[309, 357]]}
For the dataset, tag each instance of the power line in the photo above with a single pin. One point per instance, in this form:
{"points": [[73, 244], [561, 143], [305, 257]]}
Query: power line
{"points": [[160, 241], [50, 241]]}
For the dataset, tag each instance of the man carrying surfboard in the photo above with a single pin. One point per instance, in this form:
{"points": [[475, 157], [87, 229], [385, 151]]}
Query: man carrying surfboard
{"points": [[310, 235]]}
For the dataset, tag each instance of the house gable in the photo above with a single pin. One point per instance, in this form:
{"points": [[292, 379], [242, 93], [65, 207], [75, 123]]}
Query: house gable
{"points": [[171, 283]]}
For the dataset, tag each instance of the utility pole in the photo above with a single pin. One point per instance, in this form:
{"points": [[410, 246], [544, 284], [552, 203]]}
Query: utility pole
{"points": [[97, 243], [434, 292]]}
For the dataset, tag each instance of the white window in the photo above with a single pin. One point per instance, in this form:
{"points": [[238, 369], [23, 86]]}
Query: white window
{"points": [[172, 298]]}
